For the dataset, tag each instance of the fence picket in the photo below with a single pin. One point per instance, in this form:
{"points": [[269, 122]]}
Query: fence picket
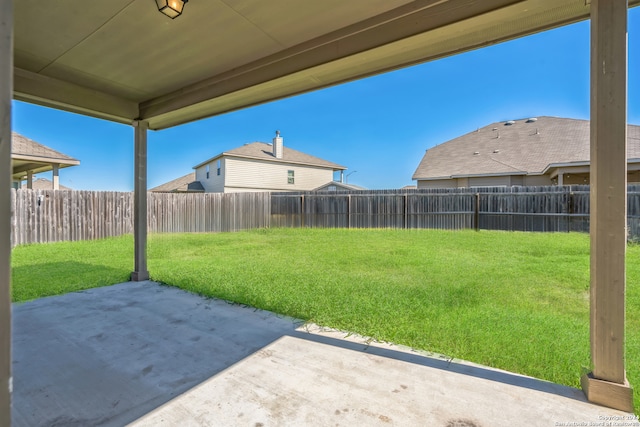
{"points": [[48, 216]]}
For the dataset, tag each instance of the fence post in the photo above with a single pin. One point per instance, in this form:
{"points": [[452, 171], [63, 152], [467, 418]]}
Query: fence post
{"points": [[406, 211], [302, 215], [349, 211], [571, 210], [476, 211]]}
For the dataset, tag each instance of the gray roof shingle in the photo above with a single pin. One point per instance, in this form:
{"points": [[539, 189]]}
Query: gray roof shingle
{"points": [[44, 184], [264, 151], [340, 186], [184, 184], [23, 147], [526, 146]]}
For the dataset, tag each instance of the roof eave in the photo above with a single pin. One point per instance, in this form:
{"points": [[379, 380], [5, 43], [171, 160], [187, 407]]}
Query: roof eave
{"points": [[209, 160], [240, 156], [564, 165], [437, 178], [48, 160]]}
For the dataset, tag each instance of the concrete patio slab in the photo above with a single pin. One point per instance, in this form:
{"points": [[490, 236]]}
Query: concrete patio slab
{"points": [[107, 356], [149, 355]]}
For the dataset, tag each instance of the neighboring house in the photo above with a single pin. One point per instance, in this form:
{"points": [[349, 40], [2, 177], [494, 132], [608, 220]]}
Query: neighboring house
{"points": [[259, 166], [184, 184], [534, 151], [44, 184], [338, 186], [29, 157]]}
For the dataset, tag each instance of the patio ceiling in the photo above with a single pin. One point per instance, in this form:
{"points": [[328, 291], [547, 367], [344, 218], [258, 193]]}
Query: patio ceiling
{"points": [[122, 60]]}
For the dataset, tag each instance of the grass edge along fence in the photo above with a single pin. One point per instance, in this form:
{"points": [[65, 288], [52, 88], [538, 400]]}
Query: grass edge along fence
{"points": [[40, 216]]}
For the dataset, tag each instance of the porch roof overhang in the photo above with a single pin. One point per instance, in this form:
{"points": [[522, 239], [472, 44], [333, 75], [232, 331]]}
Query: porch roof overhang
{"points": [[20, 165], [122, 60], [553, 169]]}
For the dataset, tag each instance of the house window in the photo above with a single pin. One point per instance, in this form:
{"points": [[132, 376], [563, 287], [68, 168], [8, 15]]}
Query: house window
{"points": [[218, 168], [332, 188], [290, 177], [207, 171]]}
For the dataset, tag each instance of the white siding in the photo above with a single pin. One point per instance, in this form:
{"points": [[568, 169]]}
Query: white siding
{"points": [[215, 182], [257, 175], [437, 183], [517, 180], [245, 190], [537, 180], [490, 181]]}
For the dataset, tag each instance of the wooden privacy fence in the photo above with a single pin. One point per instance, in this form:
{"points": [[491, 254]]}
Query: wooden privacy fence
{"points": [[550, 208], [372, 209], [40, 216], [209, 212]]}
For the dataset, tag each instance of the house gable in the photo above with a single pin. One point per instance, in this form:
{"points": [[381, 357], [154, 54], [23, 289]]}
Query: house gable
{"points": [[212, 175], [264, 151], [255, 167]]}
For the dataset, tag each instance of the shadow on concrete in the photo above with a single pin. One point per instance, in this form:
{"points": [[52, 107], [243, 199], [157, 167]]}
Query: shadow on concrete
{"points": [[449, 365], [108, 356]]}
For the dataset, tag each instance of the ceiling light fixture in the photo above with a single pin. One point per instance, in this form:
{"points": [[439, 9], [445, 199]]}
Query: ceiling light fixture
{"points": [[171, 8]]}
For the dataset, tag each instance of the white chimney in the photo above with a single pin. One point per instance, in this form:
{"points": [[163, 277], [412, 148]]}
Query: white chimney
{"points": [[277, 146]]}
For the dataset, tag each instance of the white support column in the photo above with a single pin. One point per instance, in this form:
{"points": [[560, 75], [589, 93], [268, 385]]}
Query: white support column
{"points": [[29, 180], [560, 178], [140, 202], [55, 174], [607, 384], [6, 92]]}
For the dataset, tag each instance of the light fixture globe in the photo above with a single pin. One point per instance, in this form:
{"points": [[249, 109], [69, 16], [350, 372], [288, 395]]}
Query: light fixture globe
{"points": [[171, 8]]}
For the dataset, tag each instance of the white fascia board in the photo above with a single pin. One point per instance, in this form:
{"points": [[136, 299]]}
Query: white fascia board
{"points": [[565, 165], [48, 160]]}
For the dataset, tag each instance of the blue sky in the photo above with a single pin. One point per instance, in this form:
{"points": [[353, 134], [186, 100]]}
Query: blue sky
{"points": [[378, 127]]}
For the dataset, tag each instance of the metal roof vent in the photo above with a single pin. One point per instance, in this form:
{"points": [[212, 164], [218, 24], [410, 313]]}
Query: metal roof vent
{"points": [[475, 153], [496, 151], [510, 122], [494, 129], [531, 120]]}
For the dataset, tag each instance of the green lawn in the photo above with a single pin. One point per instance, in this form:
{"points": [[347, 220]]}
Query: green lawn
{"points": [[516, 301]]}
